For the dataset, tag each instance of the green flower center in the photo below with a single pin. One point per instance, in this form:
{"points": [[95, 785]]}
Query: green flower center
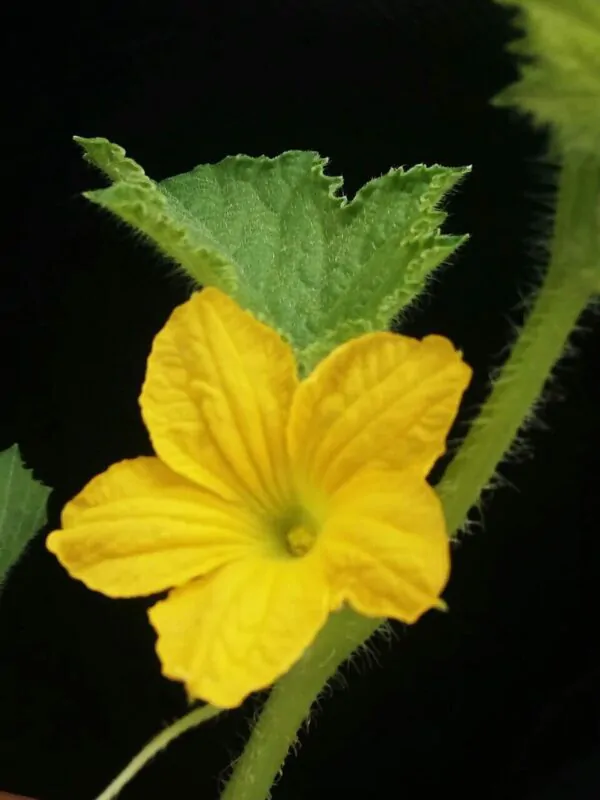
{"points": [[300, 540], [297, 530]]}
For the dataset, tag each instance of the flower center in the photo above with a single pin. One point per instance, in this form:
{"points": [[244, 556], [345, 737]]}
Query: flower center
{"points": [[298, 523], [300, 540]]}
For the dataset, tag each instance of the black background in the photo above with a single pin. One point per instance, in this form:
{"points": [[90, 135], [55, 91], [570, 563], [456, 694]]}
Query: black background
{"points": [[499, 698]]}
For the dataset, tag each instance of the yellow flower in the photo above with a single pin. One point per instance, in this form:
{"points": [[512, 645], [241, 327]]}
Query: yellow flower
{"points": [[271, 501]]}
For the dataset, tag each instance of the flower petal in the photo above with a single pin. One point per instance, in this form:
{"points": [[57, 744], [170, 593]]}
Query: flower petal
{"points": [[216, 399], [381, 399], [140, 528], [386, 547], [240, 628]]}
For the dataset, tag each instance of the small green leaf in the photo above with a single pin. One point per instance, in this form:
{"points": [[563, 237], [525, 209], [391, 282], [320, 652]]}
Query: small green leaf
{"points": [[277, 235], [138, 201], [22, 508], [560, 71]]}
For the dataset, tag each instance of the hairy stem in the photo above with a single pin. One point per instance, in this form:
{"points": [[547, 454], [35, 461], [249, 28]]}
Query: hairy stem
{"points": [[567, 289], [289, 705]]}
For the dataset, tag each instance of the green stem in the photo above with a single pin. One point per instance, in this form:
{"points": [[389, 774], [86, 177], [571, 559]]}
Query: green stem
{"points": [[160, 741], [289, 705], [566, 291]]}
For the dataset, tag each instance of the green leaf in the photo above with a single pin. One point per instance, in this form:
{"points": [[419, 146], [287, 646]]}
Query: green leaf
{"points": [[315, 266], [560, 73], [22, 508], [136, 199]]}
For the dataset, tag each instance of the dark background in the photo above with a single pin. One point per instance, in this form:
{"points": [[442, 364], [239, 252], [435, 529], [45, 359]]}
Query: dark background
{"points": [[499, 698]]}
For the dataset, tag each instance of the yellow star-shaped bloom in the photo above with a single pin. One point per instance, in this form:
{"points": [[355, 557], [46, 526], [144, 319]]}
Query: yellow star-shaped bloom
{"points": [[271, 501]]}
